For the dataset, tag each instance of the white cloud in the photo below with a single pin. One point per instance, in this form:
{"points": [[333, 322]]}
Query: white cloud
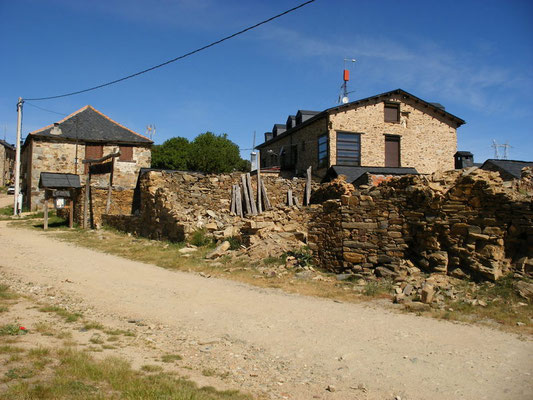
{"points": [[417, 64]]}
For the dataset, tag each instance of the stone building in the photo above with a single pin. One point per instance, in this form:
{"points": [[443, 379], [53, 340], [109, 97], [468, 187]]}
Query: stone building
{"points": [[84, 134], [7, 162], [393, 130]]}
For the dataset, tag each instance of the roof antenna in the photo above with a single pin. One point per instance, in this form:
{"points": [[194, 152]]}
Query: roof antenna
{"points": [[150, 131], [343, 96]]}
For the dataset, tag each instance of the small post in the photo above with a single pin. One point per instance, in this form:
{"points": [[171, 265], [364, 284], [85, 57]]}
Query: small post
{"points": [[45, 225], [259, 200], [245, 193], [308, 187], [238, 201], [71, 212], [110, 187], [251, 194], [232, 206], [265, 196], [289, 198], [86, 203]]}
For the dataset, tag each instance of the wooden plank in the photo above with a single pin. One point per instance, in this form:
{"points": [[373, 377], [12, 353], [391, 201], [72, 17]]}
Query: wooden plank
{"points": [[233, 194], [259, 200], [266, 200], [45, 224], [289, 198], [71, 213], [86, 202], [238, 200], [308, 187], [110, 187], [102, 159], [245, 194], [251, 194]]}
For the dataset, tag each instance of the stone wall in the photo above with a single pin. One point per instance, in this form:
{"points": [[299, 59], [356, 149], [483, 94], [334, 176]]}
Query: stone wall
{"points": [[60, 156], [121, 204], [175, 204], [7, 162], [455, 223]]}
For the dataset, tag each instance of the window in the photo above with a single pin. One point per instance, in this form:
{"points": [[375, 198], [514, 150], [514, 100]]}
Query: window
{"points": [[323, 151], [93, 152], [392, 151], [126, 153], [348, 148], [392, 112]]}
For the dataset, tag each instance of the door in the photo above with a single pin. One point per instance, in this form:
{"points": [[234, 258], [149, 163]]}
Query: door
{"points": [[392, 151]]}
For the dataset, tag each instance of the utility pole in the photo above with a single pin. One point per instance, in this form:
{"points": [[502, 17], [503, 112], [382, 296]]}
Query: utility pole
{"points": [[16, 210]]}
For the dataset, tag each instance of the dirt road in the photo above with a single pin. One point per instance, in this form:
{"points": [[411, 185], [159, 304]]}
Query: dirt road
{"points": [[281, 345]]}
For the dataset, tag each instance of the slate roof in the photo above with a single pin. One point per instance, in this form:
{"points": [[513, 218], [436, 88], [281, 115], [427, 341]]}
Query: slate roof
{"points": [[317, 115], [90, 125], [54, 180], [509, 167], [354, 173], [6, 144]]}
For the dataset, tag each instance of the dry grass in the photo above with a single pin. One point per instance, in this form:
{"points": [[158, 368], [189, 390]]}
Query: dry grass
{"points": [[76, 375]]}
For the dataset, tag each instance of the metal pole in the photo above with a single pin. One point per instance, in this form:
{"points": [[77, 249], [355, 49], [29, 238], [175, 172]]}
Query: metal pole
{"points": [[16, 211]]}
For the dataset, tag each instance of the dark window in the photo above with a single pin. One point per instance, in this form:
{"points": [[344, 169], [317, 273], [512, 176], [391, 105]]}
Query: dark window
{"points": [[348, 148], [126, 153], [323, 151], [392, 151], [392, 112], [93, 152]]}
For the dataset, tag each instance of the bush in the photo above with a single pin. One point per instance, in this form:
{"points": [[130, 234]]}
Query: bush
{"points": [[200, 238]]}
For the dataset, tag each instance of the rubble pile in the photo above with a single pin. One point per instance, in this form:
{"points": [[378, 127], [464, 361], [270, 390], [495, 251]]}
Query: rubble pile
{"points": [[462, 223], [332, 190]]}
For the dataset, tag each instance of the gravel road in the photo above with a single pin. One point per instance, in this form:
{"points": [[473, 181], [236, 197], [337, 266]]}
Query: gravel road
{"points": [[282, 345]]}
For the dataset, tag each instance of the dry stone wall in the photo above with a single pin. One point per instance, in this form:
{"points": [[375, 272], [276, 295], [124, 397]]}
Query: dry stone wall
{"points": [[173, 205], [455, 223]]}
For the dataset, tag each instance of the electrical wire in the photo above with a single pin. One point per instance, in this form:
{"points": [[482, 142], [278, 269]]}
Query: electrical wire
{"points": [[44, 109], [177, 58]]}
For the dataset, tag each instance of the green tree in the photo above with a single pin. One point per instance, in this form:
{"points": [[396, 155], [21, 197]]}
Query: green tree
{"points": [[172, 154], [212, 153]]}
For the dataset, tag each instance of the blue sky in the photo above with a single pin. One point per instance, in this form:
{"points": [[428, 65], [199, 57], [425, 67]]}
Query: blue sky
{"points": [[474, 57]]}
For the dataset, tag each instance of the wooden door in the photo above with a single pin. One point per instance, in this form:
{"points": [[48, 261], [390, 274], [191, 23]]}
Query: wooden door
{"points": [[93, 152], [392, 151]]}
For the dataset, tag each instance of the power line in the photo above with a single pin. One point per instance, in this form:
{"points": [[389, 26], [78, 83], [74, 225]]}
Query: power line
{"points": [[44, 109], [177, 58]]}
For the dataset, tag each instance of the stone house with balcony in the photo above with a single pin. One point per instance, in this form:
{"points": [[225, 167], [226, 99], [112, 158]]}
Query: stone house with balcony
{"points": [[85, 134], [7, 162], [391, 133]]}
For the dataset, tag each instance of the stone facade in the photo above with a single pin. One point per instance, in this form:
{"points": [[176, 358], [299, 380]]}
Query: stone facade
{"points": [[44, 155], [427, 135], [459, 224], [7, 162]]}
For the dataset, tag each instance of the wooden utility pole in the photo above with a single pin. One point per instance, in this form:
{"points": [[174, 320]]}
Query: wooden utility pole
{"points": [[16, 210]]}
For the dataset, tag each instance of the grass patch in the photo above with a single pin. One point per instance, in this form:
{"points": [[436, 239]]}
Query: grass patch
{"points": [[6, 349], [47, 329], [382, 288], [38, 352], [6, 294], [93, 325], [151, 368], [200, 238], [11, 330], [168, 358], [67, 315], [78, 376], [209, 372]]}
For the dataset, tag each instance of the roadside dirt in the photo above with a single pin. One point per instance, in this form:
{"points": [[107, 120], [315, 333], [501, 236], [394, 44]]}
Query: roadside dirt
{"points": [[267, 342]]}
